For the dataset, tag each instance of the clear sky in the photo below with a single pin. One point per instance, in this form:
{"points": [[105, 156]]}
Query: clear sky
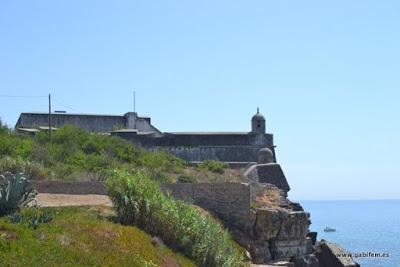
{"points": [[325, 75]]}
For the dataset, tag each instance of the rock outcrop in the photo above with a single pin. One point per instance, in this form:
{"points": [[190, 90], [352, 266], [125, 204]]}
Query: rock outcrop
{"points": [[278, 229]]}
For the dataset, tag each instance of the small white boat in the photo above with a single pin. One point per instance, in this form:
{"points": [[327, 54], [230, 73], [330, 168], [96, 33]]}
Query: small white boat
{"points": [[329, 229]]}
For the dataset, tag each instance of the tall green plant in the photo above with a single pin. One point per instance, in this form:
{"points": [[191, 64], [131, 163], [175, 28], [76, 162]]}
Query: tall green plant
{"points": [[33, 170], [15, 192], [140, 201]]}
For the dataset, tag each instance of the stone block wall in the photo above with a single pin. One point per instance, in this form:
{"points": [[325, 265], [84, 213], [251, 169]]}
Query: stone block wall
{"points": [[243, 153], [270, 173], [195, 147], [229, 201], [63, 187], [91, 123]]}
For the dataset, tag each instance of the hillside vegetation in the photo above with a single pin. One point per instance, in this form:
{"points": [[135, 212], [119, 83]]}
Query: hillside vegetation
{"points": [[77, 155], [133, 178], [82, 236]]}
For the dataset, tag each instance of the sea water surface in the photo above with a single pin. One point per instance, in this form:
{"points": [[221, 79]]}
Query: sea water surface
{"points": [[362, 226]]}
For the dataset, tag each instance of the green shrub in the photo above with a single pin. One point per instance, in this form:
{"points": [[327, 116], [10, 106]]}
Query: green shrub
{"points": [[61, 171], [91, 147], [3, 128], [98, 163], [24, 147], [76, 154], [157, 175], [40, 154], [32, 170], [140, 201], [213, 165], [162, 160], [31, 217], [7, 145], [15, 192], [185, 178]]}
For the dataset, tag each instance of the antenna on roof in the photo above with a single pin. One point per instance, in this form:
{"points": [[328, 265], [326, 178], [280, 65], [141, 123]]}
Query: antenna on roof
{"points": [[134, 101], [258, 110]]}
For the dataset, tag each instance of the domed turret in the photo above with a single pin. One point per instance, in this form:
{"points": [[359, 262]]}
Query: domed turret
{"points": [[265, 155], [258, 123]]}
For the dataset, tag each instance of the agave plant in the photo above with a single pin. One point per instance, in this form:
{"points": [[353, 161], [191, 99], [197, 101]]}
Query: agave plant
{"points": [[15, 192]]}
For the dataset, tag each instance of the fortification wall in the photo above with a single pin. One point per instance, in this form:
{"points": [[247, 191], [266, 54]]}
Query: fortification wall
{"points": [[222, 153], [206, 139], [193, 140], [199, 147], [91, 123], [229, 201], [75, 188]]}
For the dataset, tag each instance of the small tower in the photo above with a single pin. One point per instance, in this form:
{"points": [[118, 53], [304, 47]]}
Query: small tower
{"points": [[258, 123], [265, 155]]}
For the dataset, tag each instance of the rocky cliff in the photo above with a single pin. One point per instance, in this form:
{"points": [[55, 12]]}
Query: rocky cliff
{"points": [[277, 229]]}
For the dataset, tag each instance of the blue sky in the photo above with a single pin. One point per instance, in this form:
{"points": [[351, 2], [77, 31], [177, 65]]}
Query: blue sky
{"points": [[325, 75]]}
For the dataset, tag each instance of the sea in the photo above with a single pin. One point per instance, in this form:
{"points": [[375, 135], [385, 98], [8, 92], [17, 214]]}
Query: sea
{"points": [[370, 229]]}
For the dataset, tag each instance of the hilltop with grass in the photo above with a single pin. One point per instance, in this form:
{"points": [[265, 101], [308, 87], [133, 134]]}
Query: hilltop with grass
{"points": [[146, 227], [76, 155]]}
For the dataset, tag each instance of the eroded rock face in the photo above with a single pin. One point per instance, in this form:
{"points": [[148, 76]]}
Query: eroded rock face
{"points": [[268, 223], [276, 223], [281, 223], [294, 225], [306, 261], [276, 229], [284, 231], [260, 252], [287, 249]]}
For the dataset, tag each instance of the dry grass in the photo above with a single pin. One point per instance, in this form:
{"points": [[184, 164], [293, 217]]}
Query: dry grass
{"points": [[271, 196]]}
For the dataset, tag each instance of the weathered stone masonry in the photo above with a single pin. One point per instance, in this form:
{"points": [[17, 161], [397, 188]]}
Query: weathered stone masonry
{"points": [[235, 147], [89, 122], [229, 201]]}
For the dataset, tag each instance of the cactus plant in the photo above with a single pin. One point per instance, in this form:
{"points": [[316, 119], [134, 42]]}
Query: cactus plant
{"points": [[15, 192]]}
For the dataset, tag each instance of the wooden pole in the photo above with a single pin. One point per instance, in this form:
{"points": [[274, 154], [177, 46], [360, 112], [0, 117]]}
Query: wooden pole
{"points": [[50, 131]]}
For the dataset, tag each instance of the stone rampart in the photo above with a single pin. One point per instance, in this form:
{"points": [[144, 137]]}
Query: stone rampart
{"points": [[244, 154], [229, 201], [75, 188], [91, 123], [197, 147], [270, 173]]}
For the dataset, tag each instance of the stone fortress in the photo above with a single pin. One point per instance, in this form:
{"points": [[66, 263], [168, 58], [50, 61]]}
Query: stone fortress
{"points": [[238, 148], [258, 213]]}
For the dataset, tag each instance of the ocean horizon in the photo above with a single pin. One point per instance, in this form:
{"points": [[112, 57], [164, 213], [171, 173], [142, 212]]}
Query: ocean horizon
{"points": [[369, 229]]}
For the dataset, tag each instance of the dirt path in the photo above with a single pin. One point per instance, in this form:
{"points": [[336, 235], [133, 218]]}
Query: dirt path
{"points": [[57, 200]]}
